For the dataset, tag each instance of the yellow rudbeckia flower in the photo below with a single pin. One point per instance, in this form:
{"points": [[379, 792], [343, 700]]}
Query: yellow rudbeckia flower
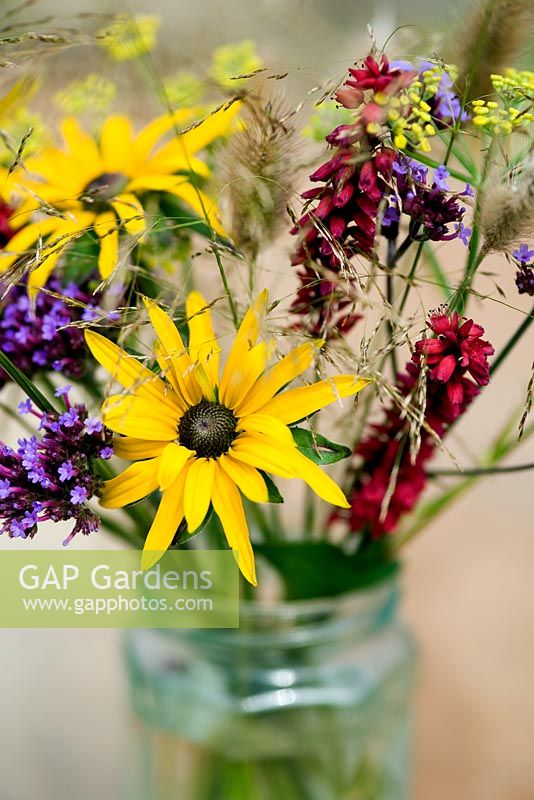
{"points": [[203, 438], [98, 184]]}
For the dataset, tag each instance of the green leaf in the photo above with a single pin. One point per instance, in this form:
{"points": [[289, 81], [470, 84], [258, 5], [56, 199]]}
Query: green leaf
{"points": [[319, 569], [272, 488], [430, 162], [183, 535], [81, 258], [318, 448], [26, 385], [184, 218]]}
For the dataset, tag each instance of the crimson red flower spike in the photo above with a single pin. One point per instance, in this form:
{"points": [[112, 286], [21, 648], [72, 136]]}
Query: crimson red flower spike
{"points": [[457, 358], [340, 220], [7, 231], [457, 349]]}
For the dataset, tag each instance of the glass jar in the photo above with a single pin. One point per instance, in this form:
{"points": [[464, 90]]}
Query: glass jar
{"points": [[307, 700]]}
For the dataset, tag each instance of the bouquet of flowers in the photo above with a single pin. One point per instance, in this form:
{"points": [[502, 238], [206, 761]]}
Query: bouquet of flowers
{"points": [[180, 372]]}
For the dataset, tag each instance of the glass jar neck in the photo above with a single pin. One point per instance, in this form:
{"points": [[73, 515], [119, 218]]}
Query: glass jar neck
{"points": [[300, 626]]}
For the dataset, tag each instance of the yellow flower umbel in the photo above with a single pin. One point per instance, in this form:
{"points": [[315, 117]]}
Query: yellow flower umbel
{"points": [[513, 109], [130, 37], [202, 438], [98, 185]]}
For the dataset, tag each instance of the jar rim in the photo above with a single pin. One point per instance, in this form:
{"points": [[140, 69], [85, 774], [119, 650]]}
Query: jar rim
{"points": [[301, 623], [353, 600]]}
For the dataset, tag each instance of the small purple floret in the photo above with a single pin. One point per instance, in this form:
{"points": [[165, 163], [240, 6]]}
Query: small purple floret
{"points": [[52, 477]]}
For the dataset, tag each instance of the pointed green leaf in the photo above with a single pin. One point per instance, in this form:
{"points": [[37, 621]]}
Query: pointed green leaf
{"points": [[319, 569], [318, 448], [272, 488], [25, 384]]}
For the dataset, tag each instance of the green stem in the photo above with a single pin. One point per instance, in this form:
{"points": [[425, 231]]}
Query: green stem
{"points": [[93, 387], [430, 162], [455, 473], [513, 340], [137, 513], [308, 521], [18, 377], [231, 301], [475, 256], [502, 445], [188, 276], [402, 248], [114, 527], [477, 53], [251, 276], [410, 277], [261, 522], [391, 259], [460, 296]]}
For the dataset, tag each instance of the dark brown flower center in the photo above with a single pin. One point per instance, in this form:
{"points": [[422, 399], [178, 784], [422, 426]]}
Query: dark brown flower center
{"points": [[207, 428], [102, 189]]}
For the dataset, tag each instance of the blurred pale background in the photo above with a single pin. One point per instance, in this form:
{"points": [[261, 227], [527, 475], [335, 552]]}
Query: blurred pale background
{"points": [[468, 582]]}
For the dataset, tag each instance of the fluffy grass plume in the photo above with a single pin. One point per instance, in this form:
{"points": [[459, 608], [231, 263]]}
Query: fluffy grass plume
{"points": [[507, 213], [489, 38], [259, 172]]}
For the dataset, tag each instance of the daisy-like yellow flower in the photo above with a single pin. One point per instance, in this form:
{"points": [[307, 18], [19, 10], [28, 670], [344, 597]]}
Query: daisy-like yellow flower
{"points": [[98, 185], [203, 438]]}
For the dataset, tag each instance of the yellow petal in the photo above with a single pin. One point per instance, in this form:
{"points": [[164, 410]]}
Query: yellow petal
{"points": [[127, 370], [82, 147], [172, 158], [108, 255], [165, 365], [137, 449], [203, 344], [137, 481], [107, 231], [154, 182], [245, 339], [166, 522], [130, 212], [291, 366], [246, 478], [295, 404], [321, 483], [38, 277], [197, 493], [268, 426], [171, 463], [65, 233], [257, 452], [208, 392], [246, 374], [179, 361], [228, 506], [150, 135], [211, 128], [201, 204], [141, 418], [24, 239], [105, 223], [116, 140], [18, 94], [56, 168]]}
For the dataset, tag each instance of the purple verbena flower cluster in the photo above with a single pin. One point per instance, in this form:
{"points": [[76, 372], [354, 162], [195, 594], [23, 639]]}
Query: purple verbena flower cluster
{"points": [[51, 476], [524, 278], [432, 209], [42, 337]]}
